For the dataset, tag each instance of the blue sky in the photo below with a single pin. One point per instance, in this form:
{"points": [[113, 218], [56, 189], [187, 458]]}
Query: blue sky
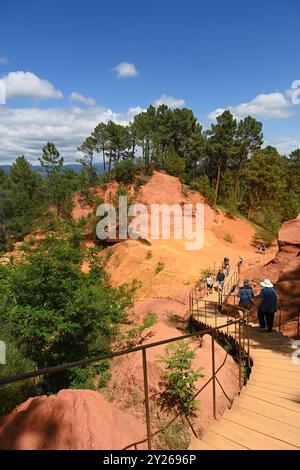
{"points": [[205, 55]]}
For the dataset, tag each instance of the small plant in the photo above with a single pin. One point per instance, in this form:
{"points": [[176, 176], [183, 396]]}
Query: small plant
{"points": [[174, 437], [159, 267], [179, 382], [149, 320], [228, 237], [134, 336], [149, 254]]}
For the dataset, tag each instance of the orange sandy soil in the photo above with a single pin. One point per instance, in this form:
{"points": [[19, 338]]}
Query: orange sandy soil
{"points": [[166, 294]]}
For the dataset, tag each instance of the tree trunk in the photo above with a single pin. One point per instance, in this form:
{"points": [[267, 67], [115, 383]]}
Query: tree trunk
{"points": [[237, 180], [218, 180], [103, 156], [109, 163]]}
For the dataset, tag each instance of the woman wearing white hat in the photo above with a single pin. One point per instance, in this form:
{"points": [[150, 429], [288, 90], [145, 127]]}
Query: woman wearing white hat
{"points": [[268, 306]]}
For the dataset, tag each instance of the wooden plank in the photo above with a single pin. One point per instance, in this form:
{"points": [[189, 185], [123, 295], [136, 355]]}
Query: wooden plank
{"points": [[249, 438], [266, 426]]}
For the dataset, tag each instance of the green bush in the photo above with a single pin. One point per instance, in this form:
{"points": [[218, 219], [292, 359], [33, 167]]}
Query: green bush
{"points": [[58, 313], [228, 237], [179, 380], [269, 223], [159, 267], [202, 185], [174, 165], [15, 393], [125, 171]]}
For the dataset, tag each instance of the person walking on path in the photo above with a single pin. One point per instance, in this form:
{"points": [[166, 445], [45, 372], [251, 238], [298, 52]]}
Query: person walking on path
{"points": [[263, 248], [209, 283], [267, 307], [245, 295], [240, 263], [220, 279]]}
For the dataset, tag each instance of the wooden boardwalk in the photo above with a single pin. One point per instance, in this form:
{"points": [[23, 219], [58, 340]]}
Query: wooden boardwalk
{"points": [[266, 414]]}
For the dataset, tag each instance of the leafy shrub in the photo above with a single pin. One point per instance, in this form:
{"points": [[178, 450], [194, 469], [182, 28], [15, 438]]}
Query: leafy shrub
{"points": [[202, 185], [159, 267], [179, 380], [174, 165], [270, 223], [57, 312], [125, 171], [134, 336], [15, 393], [228, 237]]}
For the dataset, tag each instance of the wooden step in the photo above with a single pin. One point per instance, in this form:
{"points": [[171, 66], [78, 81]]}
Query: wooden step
{"points": [[198, 444], [221, 442], [269, 410], [270, 427], [286, 402], [248, 438], [281, 391]]}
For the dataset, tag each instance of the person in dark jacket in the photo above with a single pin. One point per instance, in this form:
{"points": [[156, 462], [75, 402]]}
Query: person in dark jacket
{"points": [[268, 306], [220, 279], [245, 295]]}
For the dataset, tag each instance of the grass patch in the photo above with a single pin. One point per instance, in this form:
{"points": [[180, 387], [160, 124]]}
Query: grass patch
{"points": [[159, 267], [228, 237]]}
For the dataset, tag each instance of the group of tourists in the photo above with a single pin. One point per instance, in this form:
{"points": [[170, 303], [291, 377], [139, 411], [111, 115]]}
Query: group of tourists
{"points": [[220, 278], [268, 303], [261, 247], [268, 297]]}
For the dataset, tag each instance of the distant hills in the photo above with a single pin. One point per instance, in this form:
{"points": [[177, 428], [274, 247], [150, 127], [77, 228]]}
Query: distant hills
{"points": [[69, 166]]}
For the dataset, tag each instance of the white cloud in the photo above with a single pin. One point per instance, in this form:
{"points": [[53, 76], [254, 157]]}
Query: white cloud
{"points": [[125, 70], [284, 145], [29, 85], [26, 130], [74, 96], [170, 101], [265, 106], [3, 60]]}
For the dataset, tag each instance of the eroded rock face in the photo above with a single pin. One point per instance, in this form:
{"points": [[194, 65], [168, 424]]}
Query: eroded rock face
{"points": [[289, 234], [70, 420], [284, 272]]}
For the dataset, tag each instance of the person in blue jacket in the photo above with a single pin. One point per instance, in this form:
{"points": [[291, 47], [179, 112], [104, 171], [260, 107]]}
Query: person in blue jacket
{"points": [[245, 295], [268, 306], [220, 279]]}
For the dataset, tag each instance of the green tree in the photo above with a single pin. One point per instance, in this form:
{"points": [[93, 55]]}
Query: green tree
{"points": [[221, 145], [264, 178], [87, 148], [249, 138], [55, 311], [53, 164]]}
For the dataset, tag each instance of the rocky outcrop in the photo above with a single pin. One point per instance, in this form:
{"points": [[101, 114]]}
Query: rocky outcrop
{"points": [[284, 272], [70, 420]]}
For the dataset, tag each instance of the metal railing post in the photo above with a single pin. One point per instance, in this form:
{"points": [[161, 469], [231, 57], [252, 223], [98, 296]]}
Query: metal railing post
{"points": [[147, 408], [240, 355], [213, 366], [279, 326], [248, 342]]}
